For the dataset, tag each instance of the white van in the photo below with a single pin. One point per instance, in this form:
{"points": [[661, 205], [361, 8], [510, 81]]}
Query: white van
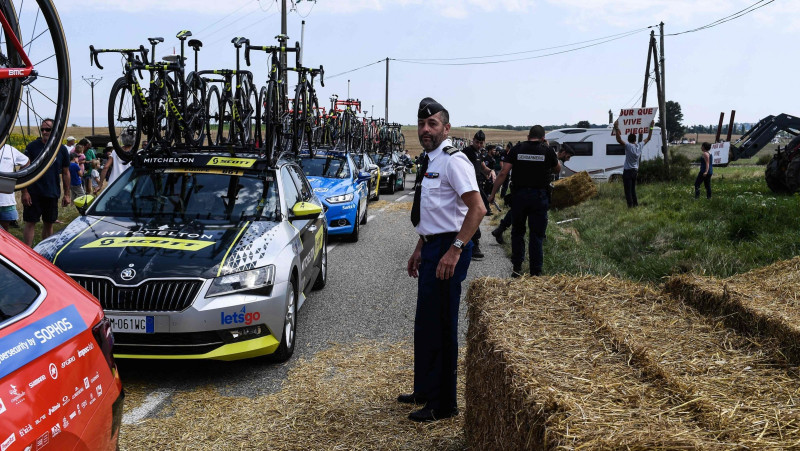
{"points": [[598, 152]]}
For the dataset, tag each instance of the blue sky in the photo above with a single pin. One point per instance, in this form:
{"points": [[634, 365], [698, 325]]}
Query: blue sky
{"points": [[746, 64]]}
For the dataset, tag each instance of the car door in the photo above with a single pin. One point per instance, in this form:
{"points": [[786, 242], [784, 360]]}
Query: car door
{"points": [[313, 230], [291, 195]]}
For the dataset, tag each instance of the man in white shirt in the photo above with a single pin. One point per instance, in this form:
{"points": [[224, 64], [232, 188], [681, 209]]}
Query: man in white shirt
{"points": [[71, 144], [447, 211], [11, 160]]}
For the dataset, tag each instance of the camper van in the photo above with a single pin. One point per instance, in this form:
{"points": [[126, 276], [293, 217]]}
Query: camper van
{"points": [[598, 152]]}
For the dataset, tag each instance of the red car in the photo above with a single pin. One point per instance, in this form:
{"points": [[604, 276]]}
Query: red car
{"points": [[59, 386]]}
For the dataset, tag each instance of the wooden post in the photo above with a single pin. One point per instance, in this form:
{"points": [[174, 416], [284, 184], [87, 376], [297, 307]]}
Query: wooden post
{"points": [[661, 107], [730, 125], [647, 72], [719, 127]]}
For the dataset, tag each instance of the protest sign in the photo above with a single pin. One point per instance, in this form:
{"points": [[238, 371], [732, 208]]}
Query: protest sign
{"points": [[635, 120]]}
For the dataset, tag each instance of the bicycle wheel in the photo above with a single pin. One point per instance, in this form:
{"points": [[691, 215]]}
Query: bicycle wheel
{"points": [[270, 118], [248, 99], [299, 124], [195, 114], [46, 95], [315, 135], [124, 116], [213, 116]]}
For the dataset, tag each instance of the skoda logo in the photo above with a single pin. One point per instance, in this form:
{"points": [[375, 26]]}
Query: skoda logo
{"points": [[127, 274]]}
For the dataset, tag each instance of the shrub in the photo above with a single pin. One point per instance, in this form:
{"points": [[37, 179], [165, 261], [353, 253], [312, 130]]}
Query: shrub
{"points": [[654, 170], [764, 159], [19, 140]]}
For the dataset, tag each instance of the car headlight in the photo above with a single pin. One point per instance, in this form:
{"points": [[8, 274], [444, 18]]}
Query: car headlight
{"points": [[253, 279], [340, 198]]}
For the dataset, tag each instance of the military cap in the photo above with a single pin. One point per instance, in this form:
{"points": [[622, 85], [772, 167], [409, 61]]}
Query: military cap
{"points": [[428, 107]]}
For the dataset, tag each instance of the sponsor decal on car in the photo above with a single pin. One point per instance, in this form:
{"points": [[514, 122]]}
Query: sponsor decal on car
{"points": [[8, 442], [163, 243], [204, 171], [240, 317], [227, 161]]}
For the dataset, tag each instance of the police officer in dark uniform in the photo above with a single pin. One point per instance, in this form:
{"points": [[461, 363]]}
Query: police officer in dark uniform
{"points": [[473, 152], [446, 212], [533, 163]]}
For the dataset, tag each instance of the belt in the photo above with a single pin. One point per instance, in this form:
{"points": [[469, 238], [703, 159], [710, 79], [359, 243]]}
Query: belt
{"points": [[436, 236]]}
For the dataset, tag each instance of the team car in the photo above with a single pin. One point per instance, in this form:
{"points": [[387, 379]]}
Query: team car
{"points": [[393, 173], [341, 188], [199, 256], [364, 163], [59, 386]]}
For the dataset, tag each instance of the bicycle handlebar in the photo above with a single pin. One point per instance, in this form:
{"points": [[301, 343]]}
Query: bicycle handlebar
{"points": [[268, 49], [93, 54], [321, 73]]}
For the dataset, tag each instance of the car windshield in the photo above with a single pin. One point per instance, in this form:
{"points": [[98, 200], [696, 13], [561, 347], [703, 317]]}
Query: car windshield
{"points": [[329, 166], [183, 194], [384, 159]]}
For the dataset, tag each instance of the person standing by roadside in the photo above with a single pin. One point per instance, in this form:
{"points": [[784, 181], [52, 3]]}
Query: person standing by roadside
{"points": [[113, 167], [447, 210], [630, 169], [533, 162], [10, 159], [88, 163], [706, 171], [40, 199], [70, 144], [473, 152], [75, 177]]}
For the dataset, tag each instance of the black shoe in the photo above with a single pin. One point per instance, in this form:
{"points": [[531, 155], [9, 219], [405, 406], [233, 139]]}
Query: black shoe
{"points": [[427, 414], [516, 273], [411, 398], [476, 253], [498, 235]]}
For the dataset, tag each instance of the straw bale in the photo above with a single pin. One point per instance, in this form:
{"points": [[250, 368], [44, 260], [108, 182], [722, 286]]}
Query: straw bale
{"points": [[573, 190], [540, 376], [741, 390], [342, 398], [762, 302]]}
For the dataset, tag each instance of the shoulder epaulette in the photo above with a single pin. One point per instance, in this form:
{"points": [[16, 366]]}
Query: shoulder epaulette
{"points": [[450, 150]]}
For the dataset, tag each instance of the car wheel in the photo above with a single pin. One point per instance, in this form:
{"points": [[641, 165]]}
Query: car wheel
{"points": [[392, 185], [286, 347], [353, 237], [402, 186], [322, 277], [366, 213]]}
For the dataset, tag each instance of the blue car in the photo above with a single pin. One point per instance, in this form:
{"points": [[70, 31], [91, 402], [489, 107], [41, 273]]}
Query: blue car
{"points": [[341, 188]]}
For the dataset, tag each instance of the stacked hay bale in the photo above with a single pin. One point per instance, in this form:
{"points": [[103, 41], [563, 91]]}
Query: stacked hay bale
{"points": [[573, 190], [602, 363], [761, 302]]}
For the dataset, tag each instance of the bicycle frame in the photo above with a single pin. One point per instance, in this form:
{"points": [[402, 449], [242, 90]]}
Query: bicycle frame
{"points": [[17, 72]]}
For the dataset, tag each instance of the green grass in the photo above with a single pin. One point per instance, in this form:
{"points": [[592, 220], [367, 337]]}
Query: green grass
{"points": [[742, 227], [65, 215]]}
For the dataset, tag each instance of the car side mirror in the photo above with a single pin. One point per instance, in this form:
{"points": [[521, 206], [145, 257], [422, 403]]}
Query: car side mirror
{"points": [[364, 176], [82, 203], [305, 210]]}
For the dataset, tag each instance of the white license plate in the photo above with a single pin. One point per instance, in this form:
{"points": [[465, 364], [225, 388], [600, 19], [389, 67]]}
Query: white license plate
{"points": [[132, 324]]}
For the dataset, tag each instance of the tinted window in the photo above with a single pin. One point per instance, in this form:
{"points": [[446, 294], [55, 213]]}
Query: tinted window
{"points": [[582, 149], [16, 292], [615, 149], [300, 180], [190, 196], [330, 166], [385, 159], [290, 193]]}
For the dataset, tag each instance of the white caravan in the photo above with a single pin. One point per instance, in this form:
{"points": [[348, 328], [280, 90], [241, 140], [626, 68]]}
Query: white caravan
{"points": [[598, 152]]}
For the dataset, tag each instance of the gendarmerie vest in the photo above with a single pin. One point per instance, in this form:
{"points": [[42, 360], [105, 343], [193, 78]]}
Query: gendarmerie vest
{"points": [[532, 164]]}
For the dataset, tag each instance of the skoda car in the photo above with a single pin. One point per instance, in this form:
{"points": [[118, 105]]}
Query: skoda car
{"points": [[199, 256], [342, 189], [59, 386], [364, 163], [393, 173]]}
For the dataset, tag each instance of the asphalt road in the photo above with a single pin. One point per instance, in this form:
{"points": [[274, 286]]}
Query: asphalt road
{"points": [[368, 296]]}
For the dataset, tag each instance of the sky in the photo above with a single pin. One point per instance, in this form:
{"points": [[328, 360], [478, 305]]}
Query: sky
{"points": [[744, 64]]}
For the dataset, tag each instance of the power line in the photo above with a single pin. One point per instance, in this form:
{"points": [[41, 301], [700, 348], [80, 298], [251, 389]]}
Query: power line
{"points": [[227, 15], [624, 34], [357, 68], [728, 18]]}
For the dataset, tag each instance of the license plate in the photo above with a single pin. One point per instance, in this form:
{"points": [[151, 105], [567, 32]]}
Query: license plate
{"points": [[132, 324]]}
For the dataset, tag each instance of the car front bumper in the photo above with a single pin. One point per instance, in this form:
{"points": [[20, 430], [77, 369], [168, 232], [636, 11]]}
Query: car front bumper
{"points": [[342, 217]]}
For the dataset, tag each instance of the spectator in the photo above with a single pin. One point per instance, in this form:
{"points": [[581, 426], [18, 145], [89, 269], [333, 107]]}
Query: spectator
{"points": [[9, 158], [94, 176], [633, 151], [114, 167], [91, 156], [40, 199], [706, 171], [70, 144], [75, 177]]}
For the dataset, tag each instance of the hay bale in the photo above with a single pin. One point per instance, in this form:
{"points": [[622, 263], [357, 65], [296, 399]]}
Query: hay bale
{"points": [[539, 376], [573, 190], [589, 362], [763, 302]]}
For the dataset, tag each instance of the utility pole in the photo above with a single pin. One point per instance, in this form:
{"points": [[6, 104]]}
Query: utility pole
{"points": [[647, 72], [285, 33], [664, 132], [348, 90], [92, 81], [386, 115], [660, 105]]}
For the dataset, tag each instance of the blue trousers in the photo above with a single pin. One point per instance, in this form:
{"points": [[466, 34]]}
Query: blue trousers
{"points": [[436, 324], [529, 206]]}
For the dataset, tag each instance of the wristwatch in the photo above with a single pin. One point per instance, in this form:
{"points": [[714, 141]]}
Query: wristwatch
{"points": [[458, 244]]}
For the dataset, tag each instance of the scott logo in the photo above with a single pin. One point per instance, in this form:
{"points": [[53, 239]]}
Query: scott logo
{"points": [[240, 317]]}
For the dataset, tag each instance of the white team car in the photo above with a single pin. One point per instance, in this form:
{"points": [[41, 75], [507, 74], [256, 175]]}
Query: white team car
{"points": [[200, 256]]}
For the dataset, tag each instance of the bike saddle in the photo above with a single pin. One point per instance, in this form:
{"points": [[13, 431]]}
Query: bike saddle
{"points": [[173, 58], [238, 42], [183, 34], [154, 41], [195, 44], [282, 37]]}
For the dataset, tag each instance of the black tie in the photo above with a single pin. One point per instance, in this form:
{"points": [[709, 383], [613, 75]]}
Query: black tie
{"points": [[418, 190]]}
